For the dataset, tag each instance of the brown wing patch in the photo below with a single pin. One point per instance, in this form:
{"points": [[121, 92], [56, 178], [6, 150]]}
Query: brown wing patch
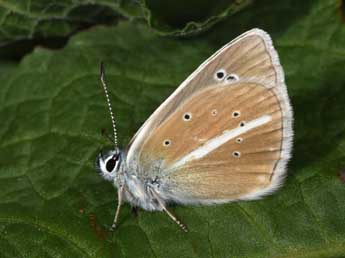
{"points": [[221, 174], [249, 57]]}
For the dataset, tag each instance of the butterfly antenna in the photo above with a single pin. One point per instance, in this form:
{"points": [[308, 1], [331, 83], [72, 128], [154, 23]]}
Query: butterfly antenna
{"points": [[102, 74]]}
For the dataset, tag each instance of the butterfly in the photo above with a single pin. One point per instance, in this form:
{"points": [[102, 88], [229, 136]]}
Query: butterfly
{"points": [[224, 135]]}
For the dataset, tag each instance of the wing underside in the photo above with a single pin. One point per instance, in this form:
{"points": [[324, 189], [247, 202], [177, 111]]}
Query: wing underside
{"points": [[250, 56], [217, 139], [227, 149]]}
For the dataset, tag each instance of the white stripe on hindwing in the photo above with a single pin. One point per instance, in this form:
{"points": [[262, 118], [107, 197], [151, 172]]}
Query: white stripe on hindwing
{"points": [[219, 140]]}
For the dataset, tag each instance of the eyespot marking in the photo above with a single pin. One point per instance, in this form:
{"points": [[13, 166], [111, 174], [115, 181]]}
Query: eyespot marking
{"points": [[236, 113], [236, 154], [239, 140], [166, 142], [187, 116], [232, 77], [243, 123], [214, 112], [220, 75]]}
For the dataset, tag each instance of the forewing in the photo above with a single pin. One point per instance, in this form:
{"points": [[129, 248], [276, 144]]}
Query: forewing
{"points": [[250, 57]]}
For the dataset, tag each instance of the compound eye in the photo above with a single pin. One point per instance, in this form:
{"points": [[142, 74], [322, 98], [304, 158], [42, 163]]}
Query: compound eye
{"points": [[111, 163]]}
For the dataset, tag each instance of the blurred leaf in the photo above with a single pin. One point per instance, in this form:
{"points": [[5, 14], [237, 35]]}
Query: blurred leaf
{"points": [[24, 19], [185, 18], [26, 24], [53, 203]]}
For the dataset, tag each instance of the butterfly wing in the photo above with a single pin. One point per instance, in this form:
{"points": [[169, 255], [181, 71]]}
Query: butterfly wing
{"points": [[231, 147], [250, 55], [225, 133]]}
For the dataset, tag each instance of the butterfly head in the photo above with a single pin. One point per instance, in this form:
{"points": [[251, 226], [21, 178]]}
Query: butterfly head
{"points": [[108, 164]]}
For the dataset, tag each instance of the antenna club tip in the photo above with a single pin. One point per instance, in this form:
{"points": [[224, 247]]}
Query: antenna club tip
{"points": [[101, 68]]}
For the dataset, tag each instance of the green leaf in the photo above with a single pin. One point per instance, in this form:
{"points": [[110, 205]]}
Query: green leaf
{"points": [[20, 20], [25, 24], [53, 203], [186, 18]]}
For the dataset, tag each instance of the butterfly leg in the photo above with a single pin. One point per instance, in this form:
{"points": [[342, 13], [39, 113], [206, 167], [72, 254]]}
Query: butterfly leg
{"points": [[119, 203], [172, 216]]}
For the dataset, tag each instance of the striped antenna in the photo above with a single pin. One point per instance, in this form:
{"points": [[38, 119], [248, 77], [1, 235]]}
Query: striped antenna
{"points": [[102, 73]]}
